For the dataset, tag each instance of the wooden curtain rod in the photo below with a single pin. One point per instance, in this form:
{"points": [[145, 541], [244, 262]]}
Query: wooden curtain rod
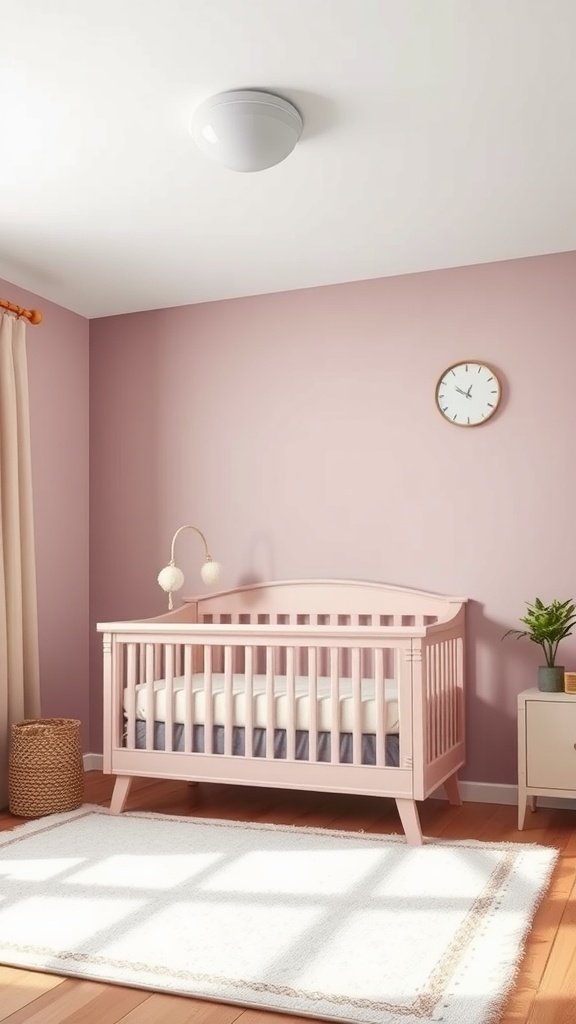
{"points": [[33, 315]]}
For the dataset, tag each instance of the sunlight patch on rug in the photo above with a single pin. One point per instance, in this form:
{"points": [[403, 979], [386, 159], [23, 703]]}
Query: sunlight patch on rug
{"points": [[342, 925]]}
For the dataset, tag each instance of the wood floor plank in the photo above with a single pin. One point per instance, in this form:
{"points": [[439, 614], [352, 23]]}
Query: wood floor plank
{"points": [[469, 819], [436, 815], [165, 1009], [8, 822], [77, 1000], [20, 988], [555, 998], [539, 945], [267, 1017]]}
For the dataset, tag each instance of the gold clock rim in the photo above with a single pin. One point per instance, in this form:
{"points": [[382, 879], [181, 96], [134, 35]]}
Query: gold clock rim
{"points": [[462, 362]]}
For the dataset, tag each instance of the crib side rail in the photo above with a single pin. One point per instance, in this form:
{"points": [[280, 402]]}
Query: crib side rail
{"points": [[254, 632], [439, 711], [358, 659]]}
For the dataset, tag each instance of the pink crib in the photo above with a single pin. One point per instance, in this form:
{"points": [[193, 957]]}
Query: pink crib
{"points": [[328, 685]]}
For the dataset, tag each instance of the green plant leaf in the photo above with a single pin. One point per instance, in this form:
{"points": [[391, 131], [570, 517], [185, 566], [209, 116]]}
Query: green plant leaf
{"points": [[547, 625]]}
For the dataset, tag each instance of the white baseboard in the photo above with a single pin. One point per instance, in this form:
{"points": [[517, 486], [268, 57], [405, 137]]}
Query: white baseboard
{"points": [[500, 793], [93, 762], [484, 793], [471, 792]]}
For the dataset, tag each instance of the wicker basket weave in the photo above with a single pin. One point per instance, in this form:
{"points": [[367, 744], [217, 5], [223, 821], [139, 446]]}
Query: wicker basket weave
{"points": [[46, 772]]}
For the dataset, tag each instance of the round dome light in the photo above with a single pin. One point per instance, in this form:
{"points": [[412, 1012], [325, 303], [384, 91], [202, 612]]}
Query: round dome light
{"points": [[246, 130]]}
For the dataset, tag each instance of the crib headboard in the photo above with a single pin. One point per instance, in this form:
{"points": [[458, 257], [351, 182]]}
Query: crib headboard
{"points": [[296, 599]]}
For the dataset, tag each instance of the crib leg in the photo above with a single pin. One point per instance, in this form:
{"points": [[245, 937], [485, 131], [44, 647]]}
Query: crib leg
{"points": [[452, 790], [120, 794], [408, 812]]}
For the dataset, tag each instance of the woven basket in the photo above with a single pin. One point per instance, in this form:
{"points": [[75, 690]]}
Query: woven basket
{"points": [[46, 773]]}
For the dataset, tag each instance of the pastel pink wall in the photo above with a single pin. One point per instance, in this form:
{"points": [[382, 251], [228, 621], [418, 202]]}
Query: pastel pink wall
{"points": [[299, 431], [58, 352]]}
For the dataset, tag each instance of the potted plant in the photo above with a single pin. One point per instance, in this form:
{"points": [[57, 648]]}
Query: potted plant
{"points": [[547, 625]]}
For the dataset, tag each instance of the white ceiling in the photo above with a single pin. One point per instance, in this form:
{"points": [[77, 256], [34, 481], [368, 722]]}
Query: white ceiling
{"points": [[436, 133]]}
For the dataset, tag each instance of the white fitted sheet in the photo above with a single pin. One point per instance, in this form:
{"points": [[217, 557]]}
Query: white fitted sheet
{"points": [[302, 714]]}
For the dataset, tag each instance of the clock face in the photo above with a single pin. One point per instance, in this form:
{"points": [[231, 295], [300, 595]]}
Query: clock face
{"points": [[468, 394]]}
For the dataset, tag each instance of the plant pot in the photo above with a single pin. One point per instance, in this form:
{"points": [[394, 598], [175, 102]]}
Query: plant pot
{"points": [[551, 680]]}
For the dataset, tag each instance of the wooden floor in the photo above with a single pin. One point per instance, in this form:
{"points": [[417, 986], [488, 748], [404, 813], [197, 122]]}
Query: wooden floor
{"points": [[545, 990]]}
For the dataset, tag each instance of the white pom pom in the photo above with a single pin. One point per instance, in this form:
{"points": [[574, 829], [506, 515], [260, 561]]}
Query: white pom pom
{"points": [[171, 578], [211, 573]]}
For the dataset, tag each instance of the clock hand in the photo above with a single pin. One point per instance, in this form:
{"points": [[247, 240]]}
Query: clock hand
{"points": [[467, 393], [459, 390]]}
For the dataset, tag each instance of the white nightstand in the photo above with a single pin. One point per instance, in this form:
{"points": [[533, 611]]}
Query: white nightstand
{"points": [[546, 747]]}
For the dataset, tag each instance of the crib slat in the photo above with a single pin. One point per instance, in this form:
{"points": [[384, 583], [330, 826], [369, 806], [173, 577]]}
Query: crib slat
{"points": [[449, 691], [428, 709], [249, 702], [150, 696], [119, 685], [290, 706], [402, 672], [208, 707], [357, 708], [142, 663], [437, 675], [270, 703], [380, 698], [440, 708], [158, 665], [431, 668], [228, 701], [431, 701], [169, 694], [334, 706], [313, 704], [446, 697], [442, 689], [322, 664], [453, 691], [444, 683], [178, 660], [131, 670], [438, 700], [188, 697]]}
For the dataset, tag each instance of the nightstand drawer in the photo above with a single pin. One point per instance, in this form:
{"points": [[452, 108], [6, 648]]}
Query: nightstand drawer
{"points": [[551, 745]]}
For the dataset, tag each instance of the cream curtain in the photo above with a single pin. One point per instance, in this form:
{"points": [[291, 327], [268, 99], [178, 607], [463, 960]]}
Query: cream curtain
{"points": [[19, 664]]}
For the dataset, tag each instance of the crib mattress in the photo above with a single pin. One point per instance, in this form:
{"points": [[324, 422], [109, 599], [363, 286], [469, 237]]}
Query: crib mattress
{"points": [[259, 703]]}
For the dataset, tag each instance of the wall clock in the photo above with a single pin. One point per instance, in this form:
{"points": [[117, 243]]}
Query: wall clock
{"points": [[468, 393]]}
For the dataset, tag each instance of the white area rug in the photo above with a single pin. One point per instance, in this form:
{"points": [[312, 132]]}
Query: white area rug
{"points": [[347, 926]]}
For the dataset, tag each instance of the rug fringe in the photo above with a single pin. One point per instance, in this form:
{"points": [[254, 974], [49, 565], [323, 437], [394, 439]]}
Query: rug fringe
{"points": [[392, 837]]}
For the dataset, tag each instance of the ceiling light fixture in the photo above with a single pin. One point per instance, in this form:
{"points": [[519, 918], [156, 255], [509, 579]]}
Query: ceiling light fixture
{"points": [[246, 130]]}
